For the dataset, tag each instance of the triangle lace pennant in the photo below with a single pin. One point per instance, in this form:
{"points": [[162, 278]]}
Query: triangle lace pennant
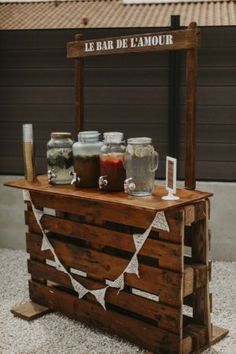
{"points": [[117, 283], [26, 195], [138, 240], [38, 214], [133, 266], [58, 265], [46, 245], [160, 222], [100, 296], [79, 288]]}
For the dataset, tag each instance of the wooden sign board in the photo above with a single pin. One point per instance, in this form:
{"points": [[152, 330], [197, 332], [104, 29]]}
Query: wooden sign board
{"points": [[148, 42], [185, 39]]}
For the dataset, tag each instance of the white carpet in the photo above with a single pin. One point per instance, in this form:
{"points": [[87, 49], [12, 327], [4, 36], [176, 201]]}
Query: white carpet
{"points": [[54, 333]]}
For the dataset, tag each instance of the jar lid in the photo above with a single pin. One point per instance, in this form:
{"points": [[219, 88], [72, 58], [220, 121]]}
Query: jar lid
{"points": [[140, 140], [88, 135], [60, 135], [113, 137]]}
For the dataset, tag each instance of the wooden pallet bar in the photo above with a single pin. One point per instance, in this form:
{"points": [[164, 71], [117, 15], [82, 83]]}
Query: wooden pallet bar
{"points": [[92, 235]]}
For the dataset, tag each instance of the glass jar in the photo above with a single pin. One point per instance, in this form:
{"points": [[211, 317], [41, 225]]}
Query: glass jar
{"points": [[141, 162], [60, 158], [86, 159], [112, 172]]}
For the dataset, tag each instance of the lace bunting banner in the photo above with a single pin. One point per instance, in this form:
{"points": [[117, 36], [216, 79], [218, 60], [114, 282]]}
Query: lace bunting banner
{"points": [[117, 283], [159, 222], [79, 288], [133, 265], [38, 214], [46, 245], [100, 296]]}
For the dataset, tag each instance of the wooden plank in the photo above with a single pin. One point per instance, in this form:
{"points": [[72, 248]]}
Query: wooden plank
{"points": [[218, 333], [30, 311], [198, 334], [55, 58], [190, 133], [200, 254], [171, 40], [113, 206], [168, 254], [95, 95], [187, 344], [166, 317], [166, 284], [156, 340], [79, 91]]}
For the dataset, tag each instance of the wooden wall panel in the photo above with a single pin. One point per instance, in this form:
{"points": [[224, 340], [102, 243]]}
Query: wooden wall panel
{"points": [[123, 92]]}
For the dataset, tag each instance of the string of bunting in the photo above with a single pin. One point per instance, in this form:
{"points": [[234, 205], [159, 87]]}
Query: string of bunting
{"points": [[158, 222]]}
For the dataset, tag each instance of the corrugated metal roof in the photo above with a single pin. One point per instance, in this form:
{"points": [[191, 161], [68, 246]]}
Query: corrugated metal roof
{"points": [[113, 14]]}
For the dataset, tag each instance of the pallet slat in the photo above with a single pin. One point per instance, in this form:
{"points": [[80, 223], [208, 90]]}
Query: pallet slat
{"points": [[168, 254], [119, 213], [166, 317], [160, 342], [92, 234], [166, 284]]}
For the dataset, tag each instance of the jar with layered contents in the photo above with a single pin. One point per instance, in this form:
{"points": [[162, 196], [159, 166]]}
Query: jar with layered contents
{"points": [[60, 158], [86, 159], [141, 162], [112, 172]]}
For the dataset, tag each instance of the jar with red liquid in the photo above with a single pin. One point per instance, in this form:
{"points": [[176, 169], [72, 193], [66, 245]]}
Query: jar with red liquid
{"points": [[112, 171]]}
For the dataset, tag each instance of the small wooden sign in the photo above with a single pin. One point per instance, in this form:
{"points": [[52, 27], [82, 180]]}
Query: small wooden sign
{"points": [[171, 172]]}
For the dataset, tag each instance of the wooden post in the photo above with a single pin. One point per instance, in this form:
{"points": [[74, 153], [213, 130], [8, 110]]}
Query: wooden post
{"points": [[200, 254], [191, 81], [79, 91], [174, 95]]}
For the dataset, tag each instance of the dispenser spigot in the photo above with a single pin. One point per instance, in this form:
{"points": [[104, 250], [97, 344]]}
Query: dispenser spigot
{"points": [[75, 179], [129, 185], [102, 181], [51, 176]]}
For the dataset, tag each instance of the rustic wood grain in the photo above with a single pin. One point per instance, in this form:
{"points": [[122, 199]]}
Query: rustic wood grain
{"points": [[156, 340], [168, 254], [200, 254], [30, 311], [182, 39], [190, 134], [166, 317], [153, 202], [164, 283], [79, 91]]}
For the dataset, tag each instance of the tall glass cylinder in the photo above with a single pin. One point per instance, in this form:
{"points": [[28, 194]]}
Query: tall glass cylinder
{"points": [[28, 153]]}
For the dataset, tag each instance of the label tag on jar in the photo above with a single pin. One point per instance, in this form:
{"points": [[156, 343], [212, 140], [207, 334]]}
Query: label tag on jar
{"points": [[171, 172]]}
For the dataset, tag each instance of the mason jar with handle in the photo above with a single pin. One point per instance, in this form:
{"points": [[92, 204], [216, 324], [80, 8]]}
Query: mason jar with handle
{"points": [[86, 159], [141, 162]]}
